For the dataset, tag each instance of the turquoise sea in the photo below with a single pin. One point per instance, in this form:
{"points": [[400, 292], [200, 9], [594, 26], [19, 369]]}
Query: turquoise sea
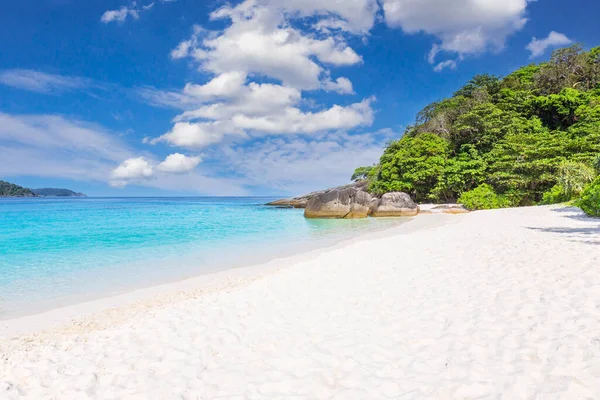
{"points": [[61, 251]]}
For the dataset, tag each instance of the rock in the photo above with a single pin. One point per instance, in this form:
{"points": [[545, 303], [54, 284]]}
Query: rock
{"points": [[346, 202], [394, 204], [295, 202], [301, 201], [442, 209]]}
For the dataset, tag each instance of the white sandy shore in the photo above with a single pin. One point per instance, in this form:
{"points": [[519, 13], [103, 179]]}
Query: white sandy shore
{"points": [[489, 305]]}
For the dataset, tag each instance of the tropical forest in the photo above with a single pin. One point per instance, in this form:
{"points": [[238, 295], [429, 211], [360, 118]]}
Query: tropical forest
{"points": [[531, 137]]}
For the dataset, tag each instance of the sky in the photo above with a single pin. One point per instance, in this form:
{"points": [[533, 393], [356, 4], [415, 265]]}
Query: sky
{"points": [[254, 97]]}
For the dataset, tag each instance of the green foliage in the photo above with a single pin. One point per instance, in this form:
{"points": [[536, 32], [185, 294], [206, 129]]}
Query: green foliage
{"points": [[590, 199], [555, 195], [363, 173], [574, 177], [482, 197], [412, 165], [558, 111], [596, 164], [568, 68], [531, 137], [11, 190], [488, 83]]}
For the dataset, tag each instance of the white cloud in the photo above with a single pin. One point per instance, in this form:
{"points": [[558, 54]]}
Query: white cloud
{"points": [[261, 42], [450, 64], [355, 16], [41, 82], [537, 47], [226, 85], [229, 121], [463, 27], [302, 164], [185, 134], [341, 85], [119, 15], [131, 170], [167, 98], [60, 147], [133, 11], [292, 120], [178, 163], [51, 145]]}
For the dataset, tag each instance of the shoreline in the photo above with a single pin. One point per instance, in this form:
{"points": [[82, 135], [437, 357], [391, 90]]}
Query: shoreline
{"points": [[90, 312]]}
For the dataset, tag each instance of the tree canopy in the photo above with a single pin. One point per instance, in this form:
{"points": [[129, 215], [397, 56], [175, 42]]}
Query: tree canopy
{"points": [[530, 137]]}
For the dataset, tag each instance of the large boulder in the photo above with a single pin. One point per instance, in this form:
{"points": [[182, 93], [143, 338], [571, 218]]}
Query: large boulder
{"points": [[301, 201], [345, 202], [394, 204]]}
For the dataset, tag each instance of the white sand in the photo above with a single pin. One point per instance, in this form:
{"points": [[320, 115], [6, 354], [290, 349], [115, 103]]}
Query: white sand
{"points": [[491, 305]]}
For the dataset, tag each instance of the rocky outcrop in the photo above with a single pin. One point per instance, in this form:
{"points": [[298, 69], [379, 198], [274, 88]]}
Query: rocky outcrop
{"points": [[351, 201], [442, 209], [394, 204], [301, 201], [346, 202]]}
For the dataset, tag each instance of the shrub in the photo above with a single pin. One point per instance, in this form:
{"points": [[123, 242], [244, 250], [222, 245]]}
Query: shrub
{"points": [[482, 197], [596, 163], [556, 195], [590, 199], [574, 177]]}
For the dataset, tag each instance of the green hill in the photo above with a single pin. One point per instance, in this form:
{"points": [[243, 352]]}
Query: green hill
{"points": [[52, 192], [528, 138], [11, 190]]}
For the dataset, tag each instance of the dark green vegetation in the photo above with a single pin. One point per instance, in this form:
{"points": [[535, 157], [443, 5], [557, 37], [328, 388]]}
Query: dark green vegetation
{"points": [[57, 192], [11, 190], [590, 199], [529, 138]]}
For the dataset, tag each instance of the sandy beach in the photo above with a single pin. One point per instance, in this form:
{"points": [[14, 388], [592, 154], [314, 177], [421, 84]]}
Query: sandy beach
{"points": [[501, 304]]}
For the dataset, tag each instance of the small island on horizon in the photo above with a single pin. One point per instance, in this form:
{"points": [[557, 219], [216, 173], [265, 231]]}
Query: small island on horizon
{"points": [[8, 189]]}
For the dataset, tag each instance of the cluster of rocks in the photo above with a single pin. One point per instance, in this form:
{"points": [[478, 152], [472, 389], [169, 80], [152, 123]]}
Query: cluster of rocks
{"points": [[353, 201]]}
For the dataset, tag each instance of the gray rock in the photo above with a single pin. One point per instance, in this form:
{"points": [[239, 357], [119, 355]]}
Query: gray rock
{"points": [[394, 204], [346, 202], [301, 201]]}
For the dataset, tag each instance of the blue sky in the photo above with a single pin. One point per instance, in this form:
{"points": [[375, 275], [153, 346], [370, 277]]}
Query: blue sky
{"points": [[260, 97]]}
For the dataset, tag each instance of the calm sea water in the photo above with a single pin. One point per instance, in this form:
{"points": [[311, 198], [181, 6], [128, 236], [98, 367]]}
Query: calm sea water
{"points": [[55, 252]]}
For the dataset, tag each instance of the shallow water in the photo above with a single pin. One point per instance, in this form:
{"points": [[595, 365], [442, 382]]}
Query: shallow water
{"points": [[55, 252]]}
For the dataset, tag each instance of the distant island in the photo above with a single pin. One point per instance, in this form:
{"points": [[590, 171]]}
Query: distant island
{"points": [[11, 190], [52, 192], [8, 189]]}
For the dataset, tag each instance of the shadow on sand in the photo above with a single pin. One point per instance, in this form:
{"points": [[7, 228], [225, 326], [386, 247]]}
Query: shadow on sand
{"points": [[586, 231]]}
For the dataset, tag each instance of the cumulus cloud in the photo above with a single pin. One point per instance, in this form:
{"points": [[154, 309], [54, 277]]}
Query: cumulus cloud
{"points": [[537, 47], [131, 170], [178, 163], [256, 119], [356, 16], [139, 170], [341, 85], [261, 42], [463, 27], [41, 82]]}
